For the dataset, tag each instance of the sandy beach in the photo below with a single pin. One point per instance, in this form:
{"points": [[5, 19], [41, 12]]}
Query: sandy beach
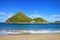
{"points": [[31, 37]]}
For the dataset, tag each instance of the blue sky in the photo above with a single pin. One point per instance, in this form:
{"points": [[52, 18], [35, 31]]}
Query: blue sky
{"points": [[47, 9]]}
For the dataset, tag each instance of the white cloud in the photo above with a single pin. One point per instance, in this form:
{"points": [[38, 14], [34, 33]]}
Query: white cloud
{"points": [[54, 17], [2, 13], [10, 14], [1, 18], [36, 11], [4, 16], [35, 16]]}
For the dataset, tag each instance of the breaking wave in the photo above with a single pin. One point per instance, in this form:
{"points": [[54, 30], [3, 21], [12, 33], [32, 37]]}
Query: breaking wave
{"points": [[8, 32]]}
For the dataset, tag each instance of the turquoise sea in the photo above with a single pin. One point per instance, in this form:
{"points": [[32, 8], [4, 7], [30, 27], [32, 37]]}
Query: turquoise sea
{"points": [[28, 28]]}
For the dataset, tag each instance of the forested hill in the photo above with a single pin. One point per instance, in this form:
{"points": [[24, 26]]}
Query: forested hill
{"points": [[19, 17]]}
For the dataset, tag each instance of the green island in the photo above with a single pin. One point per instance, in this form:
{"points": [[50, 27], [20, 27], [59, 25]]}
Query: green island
{"points": [[20, 17]]}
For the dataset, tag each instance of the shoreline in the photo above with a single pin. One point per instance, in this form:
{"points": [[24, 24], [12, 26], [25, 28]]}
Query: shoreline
{"points": [[31, 37], [12, 32]]}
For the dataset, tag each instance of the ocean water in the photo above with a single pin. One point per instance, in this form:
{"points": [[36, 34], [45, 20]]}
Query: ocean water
{"points": [[28, 28]]}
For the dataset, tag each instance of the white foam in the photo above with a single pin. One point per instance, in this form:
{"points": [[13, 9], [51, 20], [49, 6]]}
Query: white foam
{"points": [[41, 31], [4, 32], [7, 32]]}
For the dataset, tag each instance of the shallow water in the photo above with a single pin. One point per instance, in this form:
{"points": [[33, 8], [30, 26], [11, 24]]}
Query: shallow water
{"points": [[4, 26], [29, 28]]}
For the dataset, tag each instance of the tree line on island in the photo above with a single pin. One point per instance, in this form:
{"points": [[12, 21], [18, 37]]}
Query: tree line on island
{"points": [[19, 17]]}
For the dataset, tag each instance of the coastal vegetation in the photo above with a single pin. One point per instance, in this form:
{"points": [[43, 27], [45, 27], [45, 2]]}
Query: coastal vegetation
{"points": [[57, 21], [19, 17], [39, 20]]}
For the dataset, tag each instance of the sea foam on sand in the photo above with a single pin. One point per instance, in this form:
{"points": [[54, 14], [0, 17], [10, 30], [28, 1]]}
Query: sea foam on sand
{"points": [[7, 32]]}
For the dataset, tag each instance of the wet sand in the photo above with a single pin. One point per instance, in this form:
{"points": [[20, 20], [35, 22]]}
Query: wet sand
{"points": [[31, 37]]}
